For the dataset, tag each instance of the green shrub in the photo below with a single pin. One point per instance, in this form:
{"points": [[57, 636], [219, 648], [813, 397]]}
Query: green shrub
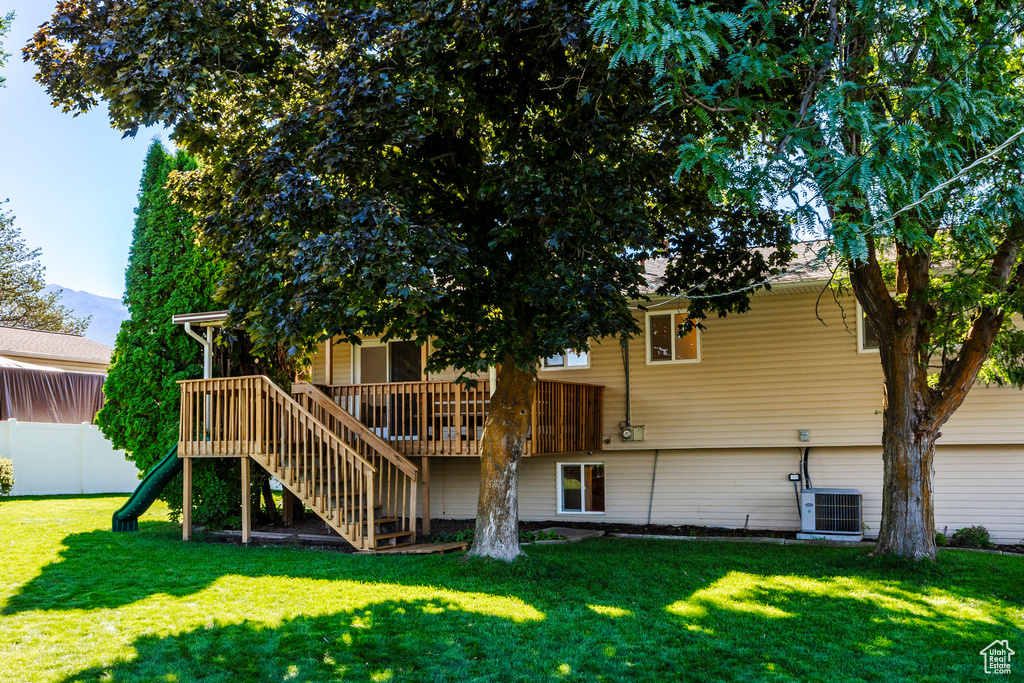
{"points": [[465, 536], [6, 476], [940, 539], [971, 537]]}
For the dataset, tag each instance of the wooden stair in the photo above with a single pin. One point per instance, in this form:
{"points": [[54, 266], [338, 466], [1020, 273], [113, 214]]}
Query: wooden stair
{"points": [[348, 476]]}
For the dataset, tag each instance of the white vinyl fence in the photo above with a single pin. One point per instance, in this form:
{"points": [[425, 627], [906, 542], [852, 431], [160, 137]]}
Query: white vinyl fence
{"points": [[62, 458]]}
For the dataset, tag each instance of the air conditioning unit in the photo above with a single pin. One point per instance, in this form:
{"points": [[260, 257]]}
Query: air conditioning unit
{"points": [[831, 515]]}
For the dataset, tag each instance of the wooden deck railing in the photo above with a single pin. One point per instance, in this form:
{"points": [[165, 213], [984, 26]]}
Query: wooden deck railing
{"points": [[448, 418], [396, 477], [567, 417], [419, 418], [251, 416]]}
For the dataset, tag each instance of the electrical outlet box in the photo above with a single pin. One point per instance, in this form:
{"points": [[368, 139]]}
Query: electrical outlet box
{"points": [[805, 434]]}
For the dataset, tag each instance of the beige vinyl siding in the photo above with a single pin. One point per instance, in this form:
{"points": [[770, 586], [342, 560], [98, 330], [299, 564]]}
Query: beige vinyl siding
{"points": [[344, 372], [767, 374], [719, 488], [342, 364], [764, 376], [319, 364]]}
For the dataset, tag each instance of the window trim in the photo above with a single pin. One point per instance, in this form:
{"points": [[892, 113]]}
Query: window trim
{"points": [[583, 483], [671, 361], [545, 368], [860, 332]]}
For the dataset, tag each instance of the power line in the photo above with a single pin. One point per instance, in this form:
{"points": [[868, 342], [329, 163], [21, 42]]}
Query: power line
{"points": [[962, 172], [903, 118], [821, 255]]}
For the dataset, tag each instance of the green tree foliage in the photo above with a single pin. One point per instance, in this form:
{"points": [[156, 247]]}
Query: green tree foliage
{"points": [[168, 272], [869, 109], [465, 172], [23, 303], [5, 25]]}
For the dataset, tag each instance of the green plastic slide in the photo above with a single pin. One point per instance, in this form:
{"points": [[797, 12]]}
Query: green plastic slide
{"points": [[127, 518]]}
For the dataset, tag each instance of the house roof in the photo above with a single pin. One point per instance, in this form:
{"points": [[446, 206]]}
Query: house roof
{"points": [[16, 341], [808, 265]]}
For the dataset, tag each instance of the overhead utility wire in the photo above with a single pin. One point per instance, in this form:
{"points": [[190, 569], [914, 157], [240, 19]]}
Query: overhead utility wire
{"points": [[900, 121], [1009, 141], [821, 255], [904, 117]]}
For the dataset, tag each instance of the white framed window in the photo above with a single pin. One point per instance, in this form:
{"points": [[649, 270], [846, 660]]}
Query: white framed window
{"points": [[567, 360], [664, 345], [397, 361], [580, 488], [867, 340]]}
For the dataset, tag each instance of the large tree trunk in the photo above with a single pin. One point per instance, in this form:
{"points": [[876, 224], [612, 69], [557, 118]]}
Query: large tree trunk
{"points": [[908, 453], [508, 421], [909, 427]]}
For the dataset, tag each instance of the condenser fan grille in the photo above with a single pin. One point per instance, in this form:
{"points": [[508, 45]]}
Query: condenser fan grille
{"points": [[837, 512]]}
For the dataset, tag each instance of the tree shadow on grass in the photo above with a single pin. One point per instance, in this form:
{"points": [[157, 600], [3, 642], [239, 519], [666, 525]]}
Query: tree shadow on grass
{"points": [[620, 609], [442, 639]]}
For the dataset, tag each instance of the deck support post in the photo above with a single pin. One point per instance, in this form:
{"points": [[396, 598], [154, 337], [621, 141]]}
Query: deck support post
{"points": [[287, 507], [246, 501], [186, 499], [425, 478]]}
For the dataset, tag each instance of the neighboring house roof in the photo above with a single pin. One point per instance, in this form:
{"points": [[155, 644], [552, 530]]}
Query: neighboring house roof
{"points": [[18, 342], [808, 265]]}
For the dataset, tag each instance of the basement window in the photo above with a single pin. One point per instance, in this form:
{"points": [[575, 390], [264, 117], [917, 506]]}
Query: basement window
{"points": [[567, 359], [580, 487], [664, 345]]}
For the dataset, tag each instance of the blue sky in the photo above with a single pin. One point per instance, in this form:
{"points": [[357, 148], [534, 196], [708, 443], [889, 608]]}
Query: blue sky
{"points": [[72, 182]]}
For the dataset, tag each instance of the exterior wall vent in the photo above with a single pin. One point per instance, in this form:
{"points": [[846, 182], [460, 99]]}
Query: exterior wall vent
{"points": [[831, 515]]}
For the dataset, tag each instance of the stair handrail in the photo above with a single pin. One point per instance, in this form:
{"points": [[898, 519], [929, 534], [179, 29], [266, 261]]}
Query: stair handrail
{"points": [[355, 426], [308, 417]]}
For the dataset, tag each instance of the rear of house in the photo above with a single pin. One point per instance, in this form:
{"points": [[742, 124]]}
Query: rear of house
{"points": [[716, 423]]}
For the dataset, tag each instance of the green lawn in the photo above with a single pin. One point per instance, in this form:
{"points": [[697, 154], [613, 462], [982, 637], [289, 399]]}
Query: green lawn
{"points": [[79, 603]]}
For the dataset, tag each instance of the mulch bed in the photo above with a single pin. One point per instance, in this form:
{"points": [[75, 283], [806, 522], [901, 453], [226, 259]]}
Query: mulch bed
{"points": [[441, 529]]}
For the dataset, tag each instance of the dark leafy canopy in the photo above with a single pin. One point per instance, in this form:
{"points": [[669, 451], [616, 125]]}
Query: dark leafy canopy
{"points": [[23, 303], [469, 172], [862, 115]]}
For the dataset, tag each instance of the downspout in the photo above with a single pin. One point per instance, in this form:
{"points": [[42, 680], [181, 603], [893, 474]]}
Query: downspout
{"points": [[625, 370], [207, 344], [654, 477]]}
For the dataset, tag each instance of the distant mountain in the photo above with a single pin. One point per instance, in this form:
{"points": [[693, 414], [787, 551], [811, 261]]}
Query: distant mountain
{"points": [[107, 314]]}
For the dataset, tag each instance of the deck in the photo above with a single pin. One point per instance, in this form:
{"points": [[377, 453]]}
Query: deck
{"points": [[448, 418], [343, 450]]}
